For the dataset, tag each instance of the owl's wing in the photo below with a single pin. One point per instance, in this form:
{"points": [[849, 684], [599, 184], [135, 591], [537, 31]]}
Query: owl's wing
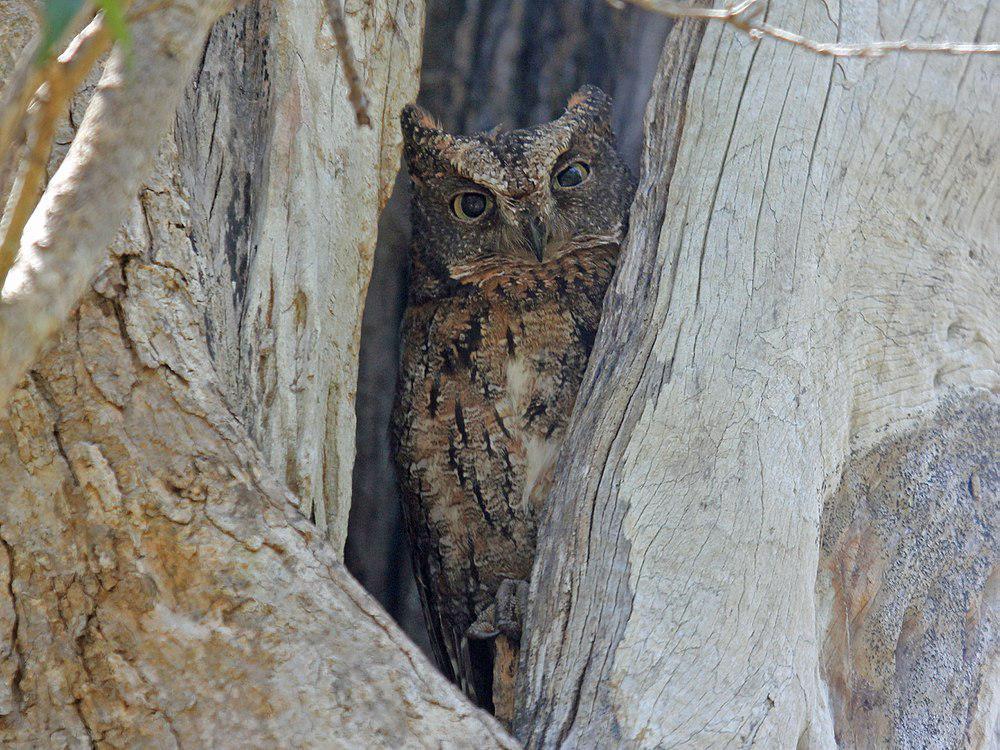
{"points": [[442, 640], [469, 664]]}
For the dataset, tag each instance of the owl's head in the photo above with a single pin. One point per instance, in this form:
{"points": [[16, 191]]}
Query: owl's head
{"points": [[527, 194]]}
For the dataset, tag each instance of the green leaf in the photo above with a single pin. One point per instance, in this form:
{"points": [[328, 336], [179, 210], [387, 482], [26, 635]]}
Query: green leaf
{"points": [[56, 16], [114, 17]]}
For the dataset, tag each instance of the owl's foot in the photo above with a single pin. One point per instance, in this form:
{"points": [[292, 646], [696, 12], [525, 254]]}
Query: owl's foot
{"points": [[505, 614]]}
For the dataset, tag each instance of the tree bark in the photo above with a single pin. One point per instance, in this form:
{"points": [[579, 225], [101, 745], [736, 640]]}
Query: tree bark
{"points": [[286, 205], [774, 520], [161, 586]]}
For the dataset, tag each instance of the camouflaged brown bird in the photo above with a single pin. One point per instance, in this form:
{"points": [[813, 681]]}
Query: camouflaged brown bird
{"points": [[515, 239]]}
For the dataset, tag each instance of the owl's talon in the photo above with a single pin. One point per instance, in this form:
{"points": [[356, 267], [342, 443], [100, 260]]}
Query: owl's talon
{"points": [[511, 606], [504, 615], [484, 627]]}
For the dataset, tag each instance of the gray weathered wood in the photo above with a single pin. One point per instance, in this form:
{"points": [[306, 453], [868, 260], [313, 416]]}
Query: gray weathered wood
{"points": [[286, 192], [775, 520]]}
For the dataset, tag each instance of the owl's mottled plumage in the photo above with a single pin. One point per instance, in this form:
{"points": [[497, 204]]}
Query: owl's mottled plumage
{"points": [[501, 318]]}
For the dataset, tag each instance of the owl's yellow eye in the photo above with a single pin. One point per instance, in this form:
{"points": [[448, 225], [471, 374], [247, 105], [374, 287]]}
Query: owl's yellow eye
{"points": [[572, 175], [471, 206]]}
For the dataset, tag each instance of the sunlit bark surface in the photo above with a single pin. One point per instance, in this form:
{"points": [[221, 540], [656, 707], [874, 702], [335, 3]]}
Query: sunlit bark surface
{"points": [[775, 520], [160, 587]]}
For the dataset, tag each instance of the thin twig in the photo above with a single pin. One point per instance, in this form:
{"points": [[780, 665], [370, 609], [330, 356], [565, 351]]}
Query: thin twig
{"points": [[23, 84], [736, 15], [355, 89], [28, 188], [24, 81], [14, 101], [8, 165], [740, 7], [62, 78]]}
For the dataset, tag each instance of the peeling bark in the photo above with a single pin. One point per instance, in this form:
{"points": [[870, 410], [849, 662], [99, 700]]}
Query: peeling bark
{"points": [[774, 522]]}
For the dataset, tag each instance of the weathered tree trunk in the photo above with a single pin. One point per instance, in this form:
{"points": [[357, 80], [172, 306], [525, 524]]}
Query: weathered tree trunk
{"points": [[775, 519], [286, 191], [160, 585]]}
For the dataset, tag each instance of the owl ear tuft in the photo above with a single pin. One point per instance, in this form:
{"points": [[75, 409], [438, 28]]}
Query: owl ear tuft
{"points": [[592, 105], [417, 123], [423, 140]]}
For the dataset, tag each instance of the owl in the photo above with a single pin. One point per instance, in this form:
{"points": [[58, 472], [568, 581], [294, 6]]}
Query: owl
{"points": [[515, 239]]}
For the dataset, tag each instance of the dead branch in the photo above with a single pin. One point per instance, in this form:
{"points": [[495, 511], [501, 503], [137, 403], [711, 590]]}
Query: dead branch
{"points": [[738, 15], [355, 89], [16, 96], [21, 85]]}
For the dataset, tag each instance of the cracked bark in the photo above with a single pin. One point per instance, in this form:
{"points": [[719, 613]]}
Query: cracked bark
{"points": [[774, 522], [161, 586]]}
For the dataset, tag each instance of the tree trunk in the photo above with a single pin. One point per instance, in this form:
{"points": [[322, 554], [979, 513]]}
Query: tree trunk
{"points": [[774, 522], [160, 585], [286, 191]]}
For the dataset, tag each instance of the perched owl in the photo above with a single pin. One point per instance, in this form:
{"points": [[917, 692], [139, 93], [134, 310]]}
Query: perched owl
{"points": [[515, 239]]}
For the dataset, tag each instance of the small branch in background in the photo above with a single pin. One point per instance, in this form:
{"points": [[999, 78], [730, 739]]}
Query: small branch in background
{"points": [[28, 188], [21, 86], [738, 16], [355, 89], [59, 22], [8, 170], [61, 77]]}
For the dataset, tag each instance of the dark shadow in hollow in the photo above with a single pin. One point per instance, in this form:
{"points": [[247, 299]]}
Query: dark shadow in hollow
{"points": [[495, 62]]}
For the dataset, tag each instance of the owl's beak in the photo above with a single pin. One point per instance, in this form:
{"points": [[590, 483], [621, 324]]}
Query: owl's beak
{"points": [[538, 236]]}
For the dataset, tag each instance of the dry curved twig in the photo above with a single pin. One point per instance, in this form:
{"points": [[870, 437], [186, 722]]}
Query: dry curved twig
{"points": [[355, 89], [737, 15]]}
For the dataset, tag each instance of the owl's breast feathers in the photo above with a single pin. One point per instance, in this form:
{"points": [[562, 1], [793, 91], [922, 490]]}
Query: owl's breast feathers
{"points": [[489, 377]]}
